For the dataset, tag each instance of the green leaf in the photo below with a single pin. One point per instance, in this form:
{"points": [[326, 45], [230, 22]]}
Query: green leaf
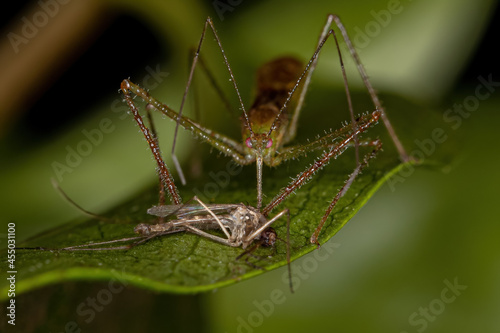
{"points": [[186, 263]]}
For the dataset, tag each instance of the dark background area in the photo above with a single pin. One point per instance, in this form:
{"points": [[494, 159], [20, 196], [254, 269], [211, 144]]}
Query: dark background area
{"points": [[115, 60]]}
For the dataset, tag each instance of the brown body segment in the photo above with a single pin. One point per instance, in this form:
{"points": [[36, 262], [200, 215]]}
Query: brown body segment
{"points": [[275, 79]]}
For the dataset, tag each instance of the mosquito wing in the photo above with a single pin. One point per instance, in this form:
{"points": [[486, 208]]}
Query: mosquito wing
{"points": [[184, 211]]}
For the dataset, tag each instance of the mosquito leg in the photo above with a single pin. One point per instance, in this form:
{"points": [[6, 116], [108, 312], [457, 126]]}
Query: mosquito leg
{"points": [[77, 206], [251, 264], [402, 152], [88, 247], [214, 216], [72, 249], [266, 225], [257, 232], [348, 95], [210, 236], [288, 259], [178, 167], [248, 253], [377, 146]]}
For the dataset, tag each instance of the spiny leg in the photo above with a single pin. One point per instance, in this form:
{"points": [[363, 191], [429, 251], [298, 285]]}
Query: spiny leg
{"points": [[194, 55], [261, 141], [323, 36], [306, 175], [154, 137], [224, 144], [154, 134], [214, 84], [220, 142], [325, 142], [378, 105], [184, 96], [373, 95], [208, 23], [306, 75], [162, 167]]}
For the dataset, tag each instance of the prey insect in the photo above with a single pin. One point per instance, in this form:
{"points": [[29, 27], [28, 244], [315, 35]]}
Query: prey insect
{"points": [[241, 224], [269, 125]]}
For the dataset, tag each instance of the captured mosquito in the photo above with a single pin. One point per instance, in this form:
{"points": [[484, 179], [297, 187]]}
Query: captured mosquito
{"points": [[269, 125], [241, 224]]}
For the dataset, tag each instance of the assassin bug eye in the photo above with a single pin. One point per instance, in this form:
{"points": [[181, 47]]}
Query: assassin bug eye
{"points": [[269, 143], [248, 142]]}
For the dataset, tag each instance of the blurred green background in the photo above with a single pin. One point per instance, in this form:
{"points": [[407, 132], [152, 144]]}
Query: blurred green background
{"points": [[389, 267]]}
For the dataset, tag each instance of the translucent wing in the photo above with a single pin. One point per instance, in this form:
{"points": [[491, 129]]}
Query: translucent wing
{"points": [[182, 211]]}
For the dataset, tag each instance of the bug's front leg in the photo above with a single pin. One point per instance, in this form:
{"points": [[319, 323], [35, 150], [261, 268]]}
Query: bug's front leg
{"points": [[327, 141], [224, 144], [333, 152]]}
